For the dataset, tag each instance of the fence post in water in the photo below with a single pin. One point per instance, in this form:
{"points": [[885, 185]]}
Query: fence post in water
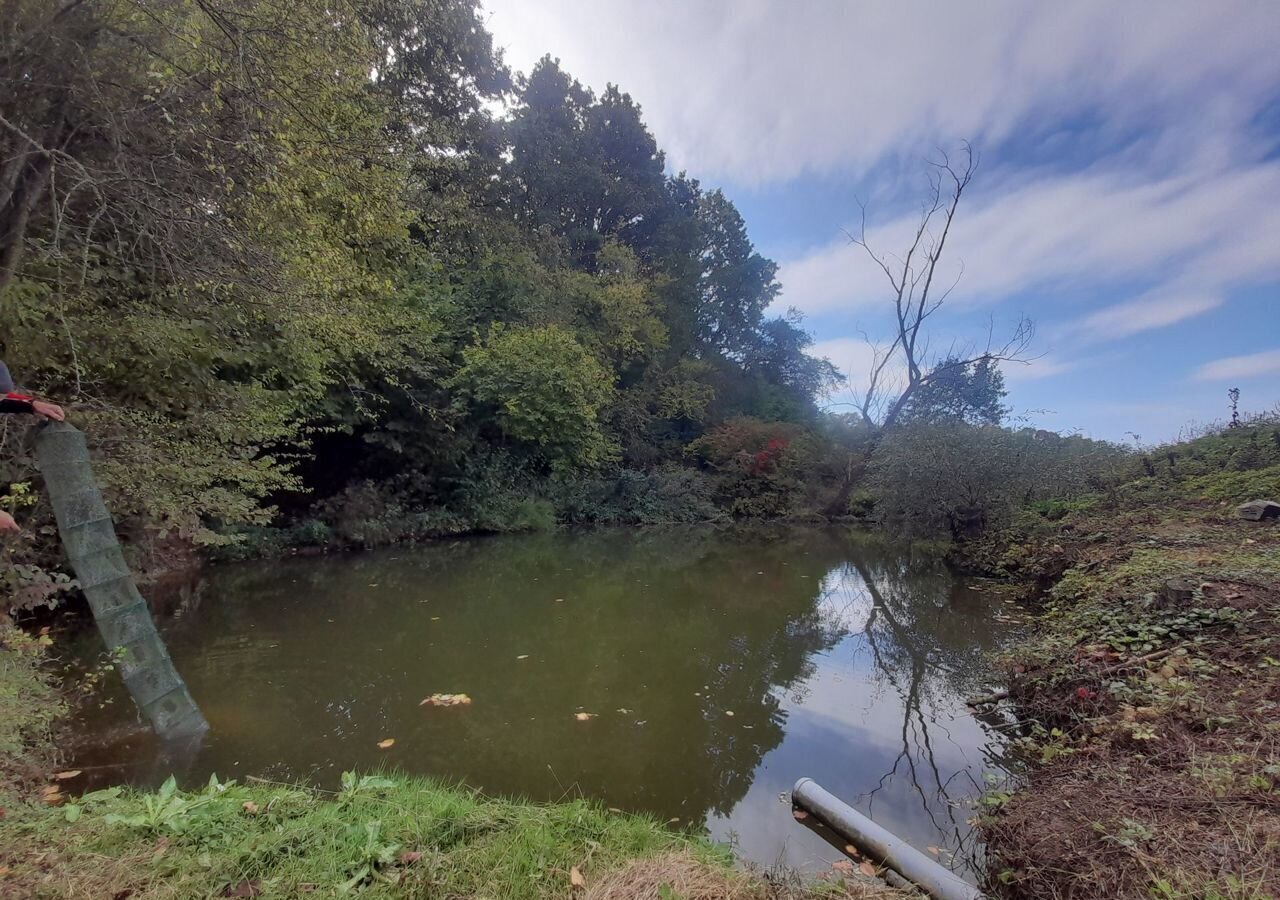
{"points": [[89, 537], [884, 847]]}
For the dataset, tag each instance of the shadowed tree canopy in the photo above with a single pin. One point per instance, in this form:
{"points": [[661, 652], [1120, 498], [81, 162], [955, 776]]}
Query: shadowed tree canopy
{"points": [[283, 255], [959, 390]]}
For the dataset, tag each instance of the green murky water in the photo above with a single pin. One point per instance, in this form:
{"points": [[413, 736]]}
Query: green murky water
{"points": [[718, 669]]}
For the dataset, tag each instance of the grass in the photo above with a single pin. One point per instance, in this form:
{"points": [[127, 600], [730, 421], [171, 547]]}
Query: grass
{"points": [[380, 836], [29, 707]]}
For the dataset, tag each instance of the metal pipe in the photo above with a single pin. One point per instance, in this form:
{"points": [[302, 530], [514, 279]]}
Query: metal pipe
{"points": [[885, 848]]}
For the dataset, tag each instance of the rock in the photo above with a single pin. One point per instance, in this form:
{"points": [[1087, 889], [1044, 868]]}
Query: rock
{"points": [[1178, 592], [1258, 510]]}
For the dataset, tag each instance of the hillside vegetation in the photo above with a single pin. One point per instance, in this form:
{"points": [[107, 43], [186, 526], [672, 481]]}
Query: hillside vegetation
{"points": [[1149, 694], [275, 290]]}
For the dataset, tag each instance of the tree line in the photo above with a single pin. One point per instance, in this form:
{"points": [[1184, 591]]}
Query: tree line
{"points": [[285, 263]]}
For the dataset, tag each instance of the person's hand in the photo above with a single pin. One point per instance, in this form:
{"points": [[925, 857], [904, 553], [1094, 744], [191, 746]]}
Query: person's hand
{"points": [[48, 410], [7, 524]]}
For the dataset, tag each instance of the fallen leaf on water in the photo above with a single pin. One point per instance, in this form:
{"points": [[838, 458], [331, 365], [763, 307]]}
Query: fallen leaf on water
{"points": [[446, 700], [409, 857], [843, 866], [523, 656], [575, 878], [584, 716], [63, 776], [867, 869], [799, 814], [383, 745], [250, 807], [728, 712], [623, 710], [559, 599]]}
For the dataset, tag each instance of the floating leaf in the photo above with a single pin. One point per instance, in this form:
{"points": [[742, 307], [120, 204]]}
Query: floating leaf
{"points": [[385, 744], [729, 713], [575, 878], [624, 710], [523, 656], [446, 700], [584, 716]]}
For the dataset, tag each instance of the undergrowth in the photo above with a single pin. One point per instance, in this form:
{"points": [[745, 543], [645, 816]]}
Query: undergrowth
{"points": [[29, 707], [1148, 696], [379, 836]]}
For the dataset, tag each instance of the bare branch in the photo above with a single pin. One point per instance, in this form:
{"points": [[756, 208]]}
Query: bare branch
{"points": [[915, 298]]}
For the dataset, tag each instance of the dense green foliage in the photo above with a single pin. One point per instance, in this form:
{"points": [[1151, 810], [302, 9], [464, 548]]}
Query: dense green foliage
{"points": [[266, 282], [300, 285]]}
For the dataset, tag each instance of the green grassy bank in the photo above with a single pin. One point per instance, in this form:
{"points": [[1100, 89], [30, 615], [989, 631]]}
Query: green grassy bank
{"points": [[378, 836]]}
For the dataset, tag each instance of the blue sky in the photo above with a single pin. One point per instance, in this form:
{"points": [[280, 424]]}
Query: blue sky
{"points": [[1127, 201]]}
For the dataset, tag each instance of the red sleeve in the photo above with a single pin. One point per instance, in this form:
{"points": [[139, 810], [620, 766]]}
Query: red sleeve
{"points": [[16, 403]]}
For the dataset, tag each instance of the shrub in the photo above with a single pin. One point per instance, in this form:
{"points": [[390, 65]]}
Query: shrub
{"points": [[961, 479]]}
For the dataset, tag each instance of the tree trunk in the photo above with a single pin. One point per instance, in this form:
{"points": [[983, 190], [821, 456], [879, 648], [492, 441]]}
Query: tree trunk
{"points": [[14, 218]]}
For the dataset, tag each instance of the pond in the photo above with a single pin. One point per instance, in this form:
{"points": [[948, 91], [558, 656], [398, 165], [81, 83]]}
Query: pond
{"points": [[713, 669]]}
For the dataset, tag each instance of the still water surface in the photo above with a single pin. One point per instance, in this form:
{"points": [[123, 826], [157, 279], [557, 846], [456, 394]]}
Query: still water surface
{"points": [[718, 667]]}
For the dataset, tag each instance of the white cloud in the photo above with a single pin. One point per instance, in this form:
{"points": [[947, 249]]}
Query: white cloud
{"points": [[1130, 181], [854, 357], [1199, 230], [1234, 368], [1134, 316], [1038, 368], [760, 91]]}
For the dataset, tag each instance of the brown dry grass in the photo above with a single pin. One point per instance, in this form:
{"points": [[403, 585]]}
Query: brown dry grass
{"points": [[1171, 784], [681, 875]]}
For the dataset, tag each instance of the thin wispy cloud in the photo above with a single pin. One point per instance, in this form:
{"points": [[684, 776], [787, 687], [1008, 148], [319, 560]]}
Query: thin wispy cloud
{"points": [[1134, 316], [759, 91], [1239, 368], [1067, 236]]}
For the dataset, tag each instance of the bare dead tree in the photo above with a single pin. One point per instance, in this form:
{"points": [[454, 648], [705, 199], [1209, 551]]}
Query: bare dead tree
{"points": [[916, 297]]}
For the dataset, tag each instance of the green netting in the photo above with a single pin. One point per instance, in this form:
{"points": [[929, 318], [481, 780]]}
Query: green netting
{"points": [[124, 621]]}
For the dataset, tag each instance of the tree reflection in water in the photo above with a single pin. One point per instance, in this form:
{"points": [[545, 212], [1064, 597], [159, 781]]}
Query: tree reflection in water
{"points": [[719, 666]]}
